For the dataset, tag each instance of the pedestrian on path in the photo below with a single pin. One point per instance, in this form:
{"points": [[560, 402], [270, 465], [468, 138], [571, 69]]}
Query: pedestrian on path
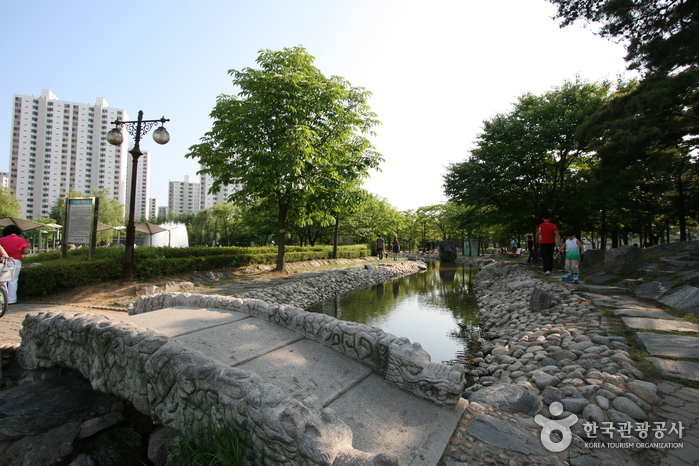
{"points": [[396, 248], [16, 247], [574, 251], [380, 246], [548, 237]]}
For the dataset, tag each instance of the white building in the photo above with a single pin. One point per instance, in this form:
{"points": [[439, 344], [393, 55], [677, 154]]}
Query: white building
{"points": [[4, 179], [152, 208], [142, 183], [58, 146], [221, 197], [184, 197]]}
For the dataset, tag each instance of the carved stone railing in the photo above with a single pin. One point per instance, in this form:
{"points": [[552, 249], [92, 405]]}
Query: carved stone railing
{"points": [[185, 389], [403, 364]]}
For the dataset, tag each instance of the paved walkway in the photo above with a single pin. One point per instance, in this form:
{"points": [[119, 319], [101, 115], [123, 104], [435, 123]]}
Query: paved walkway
{"points": [[670, 341]]}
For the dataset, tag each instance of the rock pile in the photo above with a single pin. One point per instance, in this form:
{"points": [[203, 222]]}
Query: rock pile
{"points": [[305, 293], [553, 346]]}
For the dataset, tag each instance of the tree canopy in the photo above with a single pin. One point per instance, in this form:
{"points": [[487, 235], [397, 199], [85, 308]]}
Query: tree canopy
{"points": [[289, 133], [526, 162], [9, 205]]}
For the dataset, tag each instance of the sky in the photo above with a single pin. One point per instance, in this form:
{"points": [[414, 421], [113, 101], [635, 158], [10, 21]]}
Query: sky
{"points": [[436, 69]]}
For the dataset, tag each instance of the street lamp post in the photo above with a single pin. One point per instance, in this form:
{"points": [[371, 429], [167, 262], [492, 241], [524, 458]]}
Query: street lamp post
{"points": [[136, 129]]}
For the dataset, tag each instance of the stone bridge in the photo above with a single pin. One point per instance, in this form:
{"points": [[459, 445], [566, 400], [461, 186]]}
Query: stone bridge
{"points": [[300, 388]]}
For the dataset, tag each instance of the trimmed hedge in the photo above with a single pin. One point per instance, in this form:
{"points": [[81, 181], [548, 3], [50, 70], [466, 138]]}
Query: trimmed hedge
{"points": [[49, 273]]}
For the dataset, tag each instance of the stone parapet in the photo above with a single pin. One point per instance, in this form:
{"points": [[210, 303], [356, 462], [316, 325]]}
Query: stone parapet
{"points": [[403, 364], [189, 391]]}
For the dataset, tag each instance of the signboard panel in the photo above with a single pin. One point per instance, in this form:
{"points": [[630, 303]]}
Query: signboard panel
{"points": [[79, 220]]}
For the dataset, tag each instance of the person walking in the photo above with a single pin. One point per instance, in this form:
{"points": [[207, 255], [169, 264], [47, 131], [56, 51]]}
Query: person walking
{"points": [[16, 247], [548, 237], [396, 248], [574, 250], [380, 246]]}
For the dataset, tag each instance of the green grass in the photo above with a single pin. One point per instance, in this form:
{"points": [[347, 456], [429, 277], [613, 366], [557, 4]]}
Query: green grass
{"points": [[220, 446]]}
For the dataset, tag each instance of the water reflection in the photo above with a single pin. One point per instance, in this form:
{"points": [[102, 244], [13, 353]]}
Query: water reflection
{"points": [[436, 308]]}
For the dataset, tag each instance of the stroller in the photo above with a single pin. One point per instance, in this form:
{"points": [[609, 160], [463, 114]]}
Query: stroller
{"points": [[7, 271]]}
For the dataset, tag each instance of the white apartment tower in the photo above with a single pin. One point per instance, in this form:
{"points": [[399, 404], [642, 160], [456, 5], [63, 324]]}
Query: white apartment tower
{"points": [[58, 146], [221, 197], [152, 208], [184, 197], [142, 184]]}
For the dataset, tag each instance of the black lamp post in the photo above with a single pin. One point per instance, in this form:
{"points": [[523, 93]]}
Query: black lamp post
{"points": [[136, 129]]}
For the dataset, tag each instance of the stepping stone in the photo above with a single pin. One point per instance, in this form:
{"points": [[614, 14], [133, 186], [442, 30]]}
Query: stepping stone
{"points": [[681, 369], [644, 313], [685, 297], [640, 323], [676, 346]]}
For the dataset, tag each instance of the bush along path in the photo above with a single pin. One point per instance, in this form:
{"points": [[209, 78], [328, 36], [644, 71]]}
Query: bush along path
{"points": [[550, 356]]}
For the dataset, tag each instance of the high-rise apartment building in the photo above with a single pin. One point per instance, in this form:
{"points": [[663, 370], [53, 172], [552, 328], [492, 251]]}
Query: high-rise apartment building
{"points": [[152, 208], [58, 146], [221, 197], [142, 184], [184, 197]]}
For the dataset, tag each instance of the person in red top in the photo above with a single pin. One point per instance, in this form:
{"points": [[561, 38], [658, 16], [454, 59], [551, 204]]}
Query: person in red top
{"points": [[548, 236], [16, 247]]}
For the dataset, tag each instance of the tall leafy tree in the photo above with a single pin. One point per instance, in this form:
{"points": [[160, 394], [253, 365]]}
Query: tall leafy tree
{"points": [[289, 132], [9, 205], [527, 162]]}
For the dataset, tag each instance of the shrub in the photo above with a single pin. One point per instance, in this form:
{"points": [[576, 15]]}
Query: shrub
{"points": [[49, 273]]}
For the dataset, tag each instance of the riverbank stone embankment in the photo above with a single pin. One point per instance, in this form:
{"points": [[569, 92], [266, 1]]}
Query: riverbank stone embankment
{"points": [[548, 355], [305, 292]]}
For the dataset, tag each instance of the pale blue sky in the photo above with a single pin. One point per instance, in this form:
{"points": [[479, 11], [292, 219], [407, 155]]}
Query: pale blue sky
{"points": [[437, 69]]}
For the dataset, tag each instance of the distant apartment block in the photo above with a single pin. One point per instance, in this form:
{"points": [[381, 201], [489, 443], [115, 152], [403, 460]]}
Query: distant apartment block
{"points": [[221, 197], [152, 208], [163, 211], [58, 146], [184, 197], [4, 179]]}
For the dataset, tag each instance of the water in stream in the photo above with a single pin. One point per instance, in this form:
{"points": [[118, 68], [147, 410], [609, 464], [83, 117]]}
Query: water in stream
{"points": [[435, 308]]}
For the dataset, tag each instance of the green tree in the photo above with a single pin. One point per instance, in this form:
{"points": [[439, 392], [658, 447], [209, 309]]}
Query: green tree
{"points": [[377, 216], [529, 161], [289, 132], [9, 205], [648, 135]]}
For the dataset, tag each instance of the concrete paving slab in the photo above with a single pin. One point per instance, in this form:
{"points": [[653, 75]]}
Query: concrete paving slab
{"points": [[180, 320], [640, 323], [644, 313], [681, 369], [240, 341], [306, 368], [385, 418], [676, 346]]}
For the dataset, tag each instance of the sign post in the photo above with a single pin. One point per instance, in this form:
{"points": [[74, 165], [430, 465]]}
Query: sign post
{"points": [[81, 222]]}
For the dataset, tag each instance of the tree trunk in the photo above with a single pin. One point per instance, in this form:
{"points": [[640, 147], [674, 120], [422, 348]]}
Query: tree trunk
{"points": [[681, 209], [281, 236], [336, 237]]}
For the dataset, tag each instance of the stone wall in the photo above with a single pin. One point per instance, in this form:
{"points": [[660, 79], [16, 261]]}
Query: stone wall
{"points": [[188, 390]]}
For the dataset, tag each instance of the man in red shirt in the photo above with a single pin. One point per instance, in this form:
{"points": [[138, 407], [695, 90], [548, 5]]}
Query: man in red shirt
{"points": [[548, 237], [16, 247]]}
